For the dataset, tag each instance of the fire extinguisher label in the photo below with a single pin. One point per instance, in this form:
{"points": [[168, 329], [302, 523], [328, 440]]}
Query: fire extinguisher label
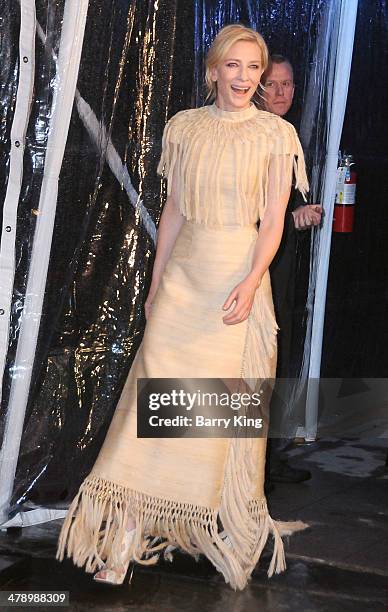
{"points": [[349, 194], [345, 192], [339, 192]]}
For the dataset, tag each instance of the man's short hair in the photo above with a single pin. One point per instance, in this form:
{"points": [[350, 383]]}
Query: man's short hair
{"points": [[277, 58]]}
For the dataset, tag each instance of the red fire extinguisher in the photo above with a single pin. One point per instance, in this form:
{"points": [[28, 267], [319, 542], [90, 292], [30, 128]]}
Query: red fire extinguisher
{"points": [[345, 197]]}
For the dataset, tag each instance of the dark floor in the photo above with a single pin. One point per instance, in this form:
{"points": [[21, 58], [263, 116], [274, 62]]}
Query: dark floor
{"points": [[339, 564]]}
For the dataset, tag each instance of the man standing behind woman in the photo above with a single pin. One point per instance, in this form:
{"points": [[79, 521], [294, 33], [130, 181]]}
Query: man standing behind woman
{"points": [[279, 89]]}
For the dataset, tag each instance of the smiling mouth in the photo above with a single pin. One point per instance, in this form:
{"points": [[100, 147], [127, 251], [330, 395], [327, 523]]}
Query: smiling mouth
{"points": [[240, 90]]}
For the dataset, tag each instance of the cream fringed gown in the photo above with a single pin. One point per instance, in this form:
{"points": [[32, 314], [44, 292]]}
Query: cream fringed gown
{"points": [[227, 165]]}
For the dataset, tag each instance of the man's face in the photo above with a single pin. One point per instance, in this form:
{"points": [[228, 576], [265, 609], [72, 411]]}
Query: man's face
{"points": [[279, 89]]}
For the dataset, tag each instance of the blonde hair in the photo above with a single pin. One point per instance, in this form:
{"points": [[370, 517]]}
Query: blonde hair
{"points": [[225, 39]]}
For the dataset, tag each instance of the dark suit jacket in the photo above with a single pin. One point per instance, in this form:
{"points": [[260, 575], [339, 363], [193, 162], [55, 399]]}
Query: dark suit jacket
{"points": [[283, 272]]}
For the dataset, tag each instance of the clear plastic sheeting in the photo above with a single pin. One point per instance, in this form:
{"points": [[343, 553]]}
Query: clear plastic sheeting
{"points": [[9, 75], [101, 256], [140, 63], [339, 60], [356, 324], [289, 28]]}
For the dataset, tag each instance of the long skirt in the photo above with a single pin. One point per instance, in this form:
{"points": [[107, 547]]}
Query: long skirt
{"points": [[181, 490]]}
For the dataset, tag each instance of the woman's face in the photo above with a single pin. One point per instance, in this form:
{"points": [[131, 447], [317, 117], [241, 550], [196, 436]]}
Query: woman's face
{"points": [[238, 76]]}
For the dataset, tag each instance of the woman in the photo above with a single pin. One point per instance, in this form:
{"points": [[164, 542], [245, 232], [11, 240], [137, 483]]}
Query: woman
{"points": [[209, 315]]}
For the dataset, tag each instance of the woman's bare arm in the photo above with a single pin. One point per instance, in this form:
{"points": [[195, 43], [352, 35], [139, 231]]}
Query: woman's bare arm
{"points": [[267, 244], [269, 237], [170, 224]]}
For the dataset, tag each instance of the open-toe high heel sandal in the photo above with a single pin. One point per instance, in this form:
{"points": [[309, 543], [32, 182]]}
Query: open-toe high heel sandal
{"points": [[116, 575]]}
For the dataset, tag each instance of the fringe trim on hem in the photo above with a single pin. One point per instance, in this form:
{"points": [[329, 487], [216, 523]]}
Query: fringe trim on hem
{"points": [[94, 528], [246, 521]]}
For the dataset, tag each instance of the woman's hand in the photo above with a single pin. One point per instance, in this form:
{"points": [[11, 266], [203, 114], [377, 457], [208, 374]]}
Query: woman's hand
{"points": [[242, 296]]}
